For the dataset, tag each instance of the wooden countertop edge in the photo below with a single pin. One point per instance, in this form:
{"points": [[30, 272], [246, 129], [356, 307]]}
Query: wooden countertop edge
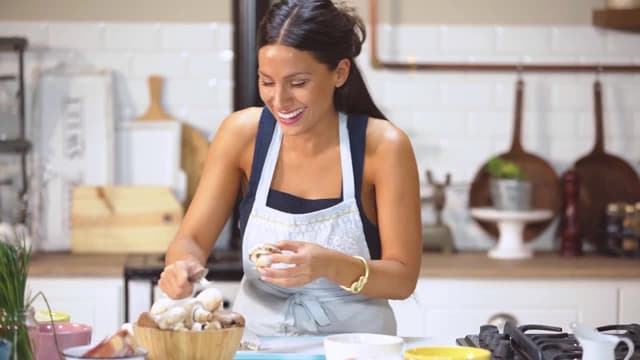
{"points": [[468, 265]]}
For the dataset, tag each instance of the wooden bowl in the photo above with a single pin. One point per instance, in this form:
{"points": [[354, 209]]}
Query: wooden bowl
{"points": [[176, 345]]}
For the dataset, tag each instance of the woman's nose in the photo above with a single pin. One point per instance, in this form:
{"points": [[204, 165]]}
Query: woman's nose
{"points": [[281, 96]]}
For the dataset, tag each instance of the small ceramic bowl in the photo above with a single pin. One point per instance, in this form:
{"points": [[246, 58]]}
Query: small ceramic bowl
{"points": [[446, 353], [68, 335], [75, 353], [362, 346], [5, 349]]}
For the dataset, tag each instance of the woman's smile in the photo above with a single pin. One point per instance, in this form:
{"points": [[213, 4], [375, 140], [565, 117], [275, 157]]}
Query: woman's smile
{"points": [[291, 117]]}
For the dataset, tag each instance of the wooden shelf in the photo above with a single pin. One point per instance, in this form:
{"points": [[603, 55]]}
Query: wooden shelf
{"points": [[618, 19], [8, 77], [14, 146], [12, 44]]}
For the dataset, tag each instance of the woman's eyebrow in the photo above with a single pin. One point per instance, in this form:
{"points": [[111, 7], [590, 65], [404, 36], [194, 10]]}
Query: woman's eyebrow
{"points": [[286, 76]]}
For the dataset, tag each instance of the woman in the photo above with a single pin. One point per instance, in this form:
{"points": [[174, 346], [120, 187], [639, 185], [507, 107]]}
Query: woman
{"points": [[324, 177]]}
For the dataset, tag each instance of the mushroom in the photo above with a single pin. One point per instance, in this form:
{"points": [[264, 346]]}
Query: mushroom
{"points": [[228, 318], [210, 298], [171, 318], [260, 254]]}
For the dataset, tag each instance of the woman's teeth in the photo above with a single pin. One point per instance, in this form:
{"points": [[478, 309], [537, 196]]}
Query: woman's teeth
{"points": [[290, 115]]}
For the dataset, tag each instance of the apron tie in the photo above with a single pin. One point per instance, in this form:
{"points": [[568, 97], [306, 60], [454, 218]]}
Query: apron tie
{"points": [[315, 311]]}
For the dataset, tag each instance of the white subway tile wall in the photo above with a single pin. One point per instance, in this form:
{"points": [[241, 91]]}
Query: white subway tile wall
{"points": [[456, 120]]}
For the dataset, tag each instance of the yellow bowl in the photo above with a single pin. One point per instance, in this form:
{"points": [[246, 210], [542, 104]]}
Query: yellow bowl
{"points": [[446, 353]]}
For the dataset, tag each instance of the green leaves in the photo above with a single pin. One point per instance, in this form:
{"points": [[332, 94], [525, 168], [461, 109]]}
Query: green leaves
{"points": [[14, 269], [504, 169]]}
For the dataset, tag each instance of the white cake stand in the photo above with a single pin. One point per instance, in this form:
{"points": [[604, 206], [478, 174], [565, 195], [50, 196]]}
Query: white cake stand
{"points": [[511, 225]]}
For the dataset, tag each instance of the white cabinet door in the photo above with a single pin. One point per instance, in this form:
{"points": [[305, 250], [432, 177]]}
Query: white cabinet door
{"points": [[97, 302], [454, 308], [629, 303], [409, 315]]}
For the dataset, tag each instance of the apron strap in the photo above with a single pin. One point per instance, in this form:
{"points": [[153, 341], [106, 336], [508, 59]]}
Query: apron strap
{"points": [[348, 182], [269, 167]]}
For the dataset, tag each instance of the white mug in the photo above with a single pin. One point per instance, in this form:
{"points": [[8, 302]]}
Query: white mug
{"points": [[599, 346]]}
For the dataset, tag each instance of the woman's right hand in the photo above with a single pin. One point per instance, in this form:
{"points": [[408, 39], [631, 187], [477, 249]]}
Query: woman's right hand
{"points": [[177, 279]]}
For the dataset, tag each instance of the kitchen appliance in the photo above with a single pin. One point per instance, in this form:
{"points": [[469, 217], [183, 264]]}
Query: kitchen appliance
{"points": [[547, 193], [540, 342]]}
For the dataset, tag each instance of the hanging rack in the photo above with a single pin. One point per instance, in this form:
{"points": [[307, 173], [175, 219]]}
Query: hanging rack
{"points": [[461, 66]]}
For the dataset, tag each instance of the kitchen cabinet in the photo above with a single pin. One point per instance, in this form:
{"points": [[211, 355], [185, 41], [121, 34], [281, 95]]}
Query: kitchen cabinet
{"points": [[454, 307], [96, 301]]}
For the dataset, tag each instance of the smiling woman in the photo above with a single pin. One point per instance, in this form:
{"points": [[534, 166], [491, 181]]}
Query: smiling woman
{"points": [[325, 178]]}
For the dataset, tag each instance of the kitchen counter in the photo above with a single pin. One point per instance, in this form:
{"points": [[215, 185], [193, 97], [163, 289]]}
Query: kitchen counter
{"points": [[461, 265]]}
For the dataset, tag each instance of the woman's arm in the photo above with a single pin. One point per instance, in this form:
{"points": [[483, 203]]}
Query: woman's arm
{"points": [[397, 195], [213, 201]]}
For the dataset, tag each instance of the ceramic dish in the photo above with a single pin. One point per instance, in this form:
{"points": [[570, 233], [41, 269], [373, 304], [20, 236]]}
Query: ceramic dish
{"points": [[5, 349], [446, 353], [68, 335], [362, 346], [76, 353]]}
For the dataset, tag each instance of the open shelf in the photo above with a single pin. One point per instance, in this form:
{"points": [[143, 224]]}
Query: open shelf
{"points": [[8, 77], [14, 146], [13, 43], [618, 19]]}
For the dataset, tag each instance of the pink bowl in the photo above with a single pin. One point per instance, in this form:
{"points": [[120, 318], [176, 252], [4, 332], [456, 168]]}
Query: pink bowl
{"points": [[68, 334]]}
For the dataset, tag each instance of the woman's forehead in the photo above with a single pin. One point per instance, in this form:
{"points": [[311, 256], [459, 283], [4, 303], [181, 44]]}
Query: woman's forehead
{"points": [[276, 58]]}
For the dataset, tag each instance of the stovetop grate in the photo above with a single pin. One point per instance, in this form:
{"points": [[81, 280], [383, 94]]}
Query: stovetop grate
{"points": [[540, 342]]}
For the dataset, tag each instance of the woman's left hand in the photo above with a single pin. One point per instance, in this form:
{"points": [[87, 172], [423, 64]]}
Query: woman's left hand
{"points": [[311, 262]]}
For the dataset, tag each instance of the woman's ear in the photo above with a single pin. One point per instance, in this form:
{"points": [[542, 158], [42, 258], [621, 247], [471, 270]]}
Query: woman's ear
{"points": [[342, 72]]}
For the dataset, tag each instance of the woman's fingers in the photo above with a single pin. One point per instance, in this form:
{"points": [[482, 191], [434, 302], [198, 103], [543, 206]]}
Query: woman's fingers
{"points": [[284, 277], [291, 245], [174, 280]]}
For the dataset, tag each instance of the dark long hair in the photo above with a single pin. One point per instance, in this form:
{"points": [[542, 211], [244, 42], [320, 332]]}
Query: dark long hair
{"points": [[330, 33]]}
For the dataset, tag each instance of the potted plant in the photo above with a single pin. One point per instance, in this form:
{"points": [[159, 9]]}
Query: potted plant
{"points": [[18, 326], [508, 186]]}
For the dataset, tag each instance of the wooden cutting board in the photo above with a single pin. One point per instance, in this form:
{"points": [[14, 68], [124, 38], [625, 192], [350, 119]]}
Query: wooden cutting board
{"points": [[546, 184], [155, 112], [123, 219], [194, 147], [604, 178]]}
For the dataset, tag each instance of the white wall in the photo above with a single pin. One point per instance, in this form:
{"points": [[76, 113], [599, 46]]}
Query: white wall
{"points": [[455, 120]]}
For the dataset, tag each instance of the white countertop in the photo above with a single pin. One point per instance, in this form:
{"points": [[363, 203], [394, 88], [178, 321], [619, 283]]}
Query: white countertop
{"points": [[311, 348]]}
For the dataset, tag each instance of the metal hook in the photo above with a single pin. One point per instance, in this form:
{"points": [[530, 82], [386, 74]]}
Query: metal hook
{"points": [[519, 71]]}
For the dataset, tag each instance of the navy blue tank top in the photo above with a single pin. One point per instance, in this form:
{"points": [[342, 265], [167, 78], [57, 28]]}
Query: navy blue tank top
{"points": [[357, 125]]}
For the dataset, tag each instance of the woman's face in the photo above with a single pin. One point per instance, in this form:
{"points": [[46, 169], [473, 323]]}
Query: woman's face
{"points": [[296, 87]]}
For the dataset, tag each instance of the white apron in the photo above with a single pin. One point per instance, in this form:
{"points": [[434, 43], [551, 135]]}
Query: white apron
{"points": [[320, 307]]}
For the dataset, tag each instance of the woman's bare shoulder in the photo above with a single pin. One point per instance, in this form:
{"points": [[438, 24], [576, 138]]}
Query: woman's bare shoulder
{"points": [[242, 122], [382, 135], [239, 127]]}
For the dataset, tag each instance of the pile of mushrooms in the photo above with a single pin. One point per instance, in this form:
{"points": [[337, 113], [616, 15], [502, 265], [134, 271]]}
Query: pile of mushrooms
{"points": [[205, 311]]}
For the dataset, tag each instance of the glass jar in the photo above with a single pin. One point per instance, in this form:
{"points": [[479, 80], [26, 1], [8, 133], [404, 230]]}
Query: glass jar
{"points": [[21, 330]]}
